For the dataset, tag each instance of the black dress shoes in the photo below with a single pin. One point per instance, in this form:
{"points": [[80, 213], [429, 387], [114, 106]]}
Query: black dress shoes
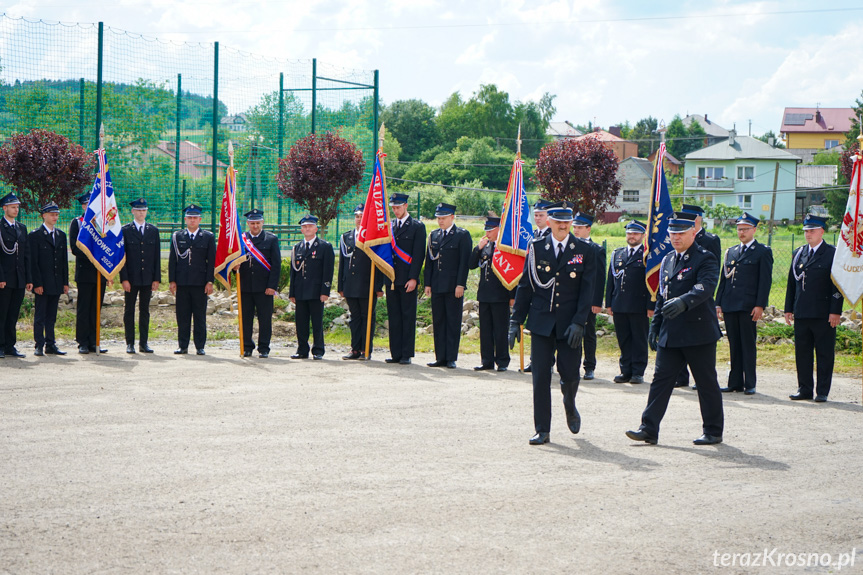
{"points": [[820, 398], [101, 349], [573, 420], [436, 364], [83, 349], [353, 355], [588, 374], [501, 368], [14, 353], [144, 348], [181, 351], [53, 350], [405, 361], [450, 364], [299, 356], [264, 354], [730, 389], [750, 391], [641, 435], [483, 368], [529, 368], [130, 348], [317, 357], [636, 379], [800, 395], [201, 352], [708, 440], [539, 438], [622, 378], [247, 353], [2, 354], [38, 352], [392, 360]]}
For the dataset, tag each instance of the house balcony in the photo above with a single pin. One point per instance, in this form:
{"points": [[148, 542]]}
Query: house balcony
{"points": [[712, 184]]}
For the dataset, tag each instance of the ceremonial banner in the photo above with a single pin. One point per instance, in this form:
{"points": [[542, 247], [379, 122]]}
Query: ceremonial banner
{"points": [[374, 235], [847, 271], [101, 233], [230, 249], [658, 243], [515, 230]]}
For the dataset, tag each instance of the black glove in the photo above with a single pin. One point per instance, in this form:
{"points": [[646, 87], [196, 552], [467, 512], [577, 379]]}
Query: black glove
{"points": [[673, 308], [514, 334], [573, 335], [651, 340]]}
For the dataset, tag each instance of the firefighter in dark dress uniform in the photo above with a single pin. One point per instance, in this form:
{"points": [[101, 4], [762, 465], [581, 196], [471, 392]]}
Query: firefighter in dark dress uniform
{"points": [[813, 304], [744, 288], [15, 273], [259, 280], [445, 281], [50, 266], [711, 243], [355, 270], [581, 226], [191, 270], [410, 239], [554, 295], [312, 265], [542, 229], [86, 277], [684, 330], [141, 275], [628, 301], [494, 302]]}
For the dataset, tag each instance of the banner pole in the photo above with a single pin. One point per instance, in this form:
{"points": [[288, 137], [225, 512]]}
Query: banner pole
{"points": [[240, 314], [98, 312], [370, 319]]}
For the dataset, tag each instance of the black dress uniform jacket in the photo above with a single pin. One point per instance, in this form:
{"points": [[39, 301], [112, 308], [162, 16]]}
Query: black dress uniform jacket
{"points": [[355, 269], [710, 242], [447, 260], [744, 282], [143, 255], [693, 280], [14, 267], [311, 270], [490, 289], [626, 291], [197, 267], [813, 295], [50, 262], [410, 238], [85, 271], [254, 277], [599, 284]]}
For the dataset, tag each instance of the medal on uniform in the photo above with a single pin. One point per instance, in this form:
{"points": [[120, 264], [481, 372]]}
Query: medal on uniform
{"points": [[679, 277]]}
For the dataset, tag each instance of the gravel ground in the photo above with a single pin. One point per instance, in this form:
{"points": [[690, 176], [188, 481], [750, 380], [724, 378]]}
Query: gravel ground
{"points": [[166, 464]]}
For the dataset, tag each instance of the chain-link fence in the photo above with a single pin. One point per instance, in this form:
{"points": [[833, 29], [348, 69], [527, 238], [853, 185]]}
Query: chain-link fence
{"points": [[168, 110]]}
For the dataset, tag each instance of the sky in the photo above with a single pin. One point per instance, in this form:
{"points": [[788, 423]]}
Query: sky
{"points": [[606, 61]]}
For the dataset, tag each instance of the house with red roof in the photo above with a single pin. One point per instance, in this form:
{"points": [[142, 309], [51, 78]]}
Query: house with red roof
{"points": [[815, 128]]}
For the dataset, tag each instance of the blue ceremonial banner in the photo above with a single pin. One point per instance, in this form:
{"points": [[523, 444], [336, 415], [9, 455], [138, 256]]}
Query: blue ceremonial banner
{"points": [[658, 243], [515, 230], [375, 235], [101, 233]]}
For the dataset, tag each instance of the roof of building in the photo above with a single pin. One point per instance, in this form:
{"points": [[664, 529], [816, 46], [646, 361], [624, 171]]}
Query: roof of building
{"points": [[712, 129], [643, 163], [236, 119], [190, 153], [562, 130], [743, 147], [816, 176], [817, 120], [602, 136], [668, 158]]}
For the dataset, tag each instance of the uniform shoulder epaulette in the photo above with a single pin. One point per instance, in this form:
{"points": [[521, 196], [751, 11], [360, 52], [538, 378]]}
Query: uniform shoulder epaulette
{"points": [[208, 233]]}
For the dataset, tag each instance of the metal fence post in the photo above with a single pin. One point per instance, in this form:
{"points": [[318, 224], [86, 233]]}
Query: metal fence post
{"points": [[375, 114], [99, 84], [215, 134], [281, 134], [314, 91], [177, 136], [81, 114], [182, 203]]}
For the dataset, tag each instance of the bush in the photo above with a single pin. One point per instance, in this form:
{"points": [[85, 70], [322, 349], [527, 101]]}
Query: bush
{"points": [[331, 313], [424, 316], [848, 340], [284, 274], [780, 330]]}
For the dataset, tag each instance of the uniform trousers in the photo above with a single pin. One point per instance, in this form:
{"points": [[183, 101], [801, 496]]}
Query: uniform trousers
{"points": [[402, 317], [44, 319], [631, 330], [310, 310], [10, 307], [493, 333], [446, 322], [359, 308], [669, 362], [260, 304], [589, 342], [85, 320], [142, 295], [542, 357], [741, 342], [191, 304], [814, 335]]}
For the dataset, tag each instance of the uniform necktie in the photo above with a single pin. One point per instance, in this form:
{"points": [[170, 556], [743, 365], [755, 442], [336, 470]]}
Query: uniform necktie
{"points": [[141, 230], [559, 251], [677, 260], [51, 235]]}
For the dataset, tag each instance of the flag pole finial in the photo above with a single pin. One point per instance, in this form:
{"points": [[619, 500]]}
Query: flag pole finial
{"points": [[381, 137], [518, 141], [231, 152], [101, 135]]}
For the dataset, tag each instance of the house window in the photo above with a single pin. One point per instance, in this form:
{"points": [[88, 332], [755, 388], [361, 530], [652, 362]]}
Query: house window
{"points": [[711, 172], [746, 173], [630, 195], [830, 144], [745, 201], [706, 200]]}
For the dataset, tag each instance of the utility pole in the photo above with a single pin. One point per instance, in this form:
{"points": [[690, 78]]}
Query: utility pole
{"points": [[773, 206]]}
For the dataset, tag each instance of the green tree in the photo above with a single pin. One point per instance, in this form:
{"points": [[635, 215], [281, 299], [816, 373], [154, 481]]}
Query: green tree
{"points": [[644, 133], [452, 122], [681, 139], [765, 137], [412, 123]]}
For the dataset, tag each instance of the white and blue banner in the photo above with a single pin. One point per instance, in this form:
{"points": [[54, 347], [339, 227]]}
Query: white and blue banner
{"points": [[101, 233]]}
